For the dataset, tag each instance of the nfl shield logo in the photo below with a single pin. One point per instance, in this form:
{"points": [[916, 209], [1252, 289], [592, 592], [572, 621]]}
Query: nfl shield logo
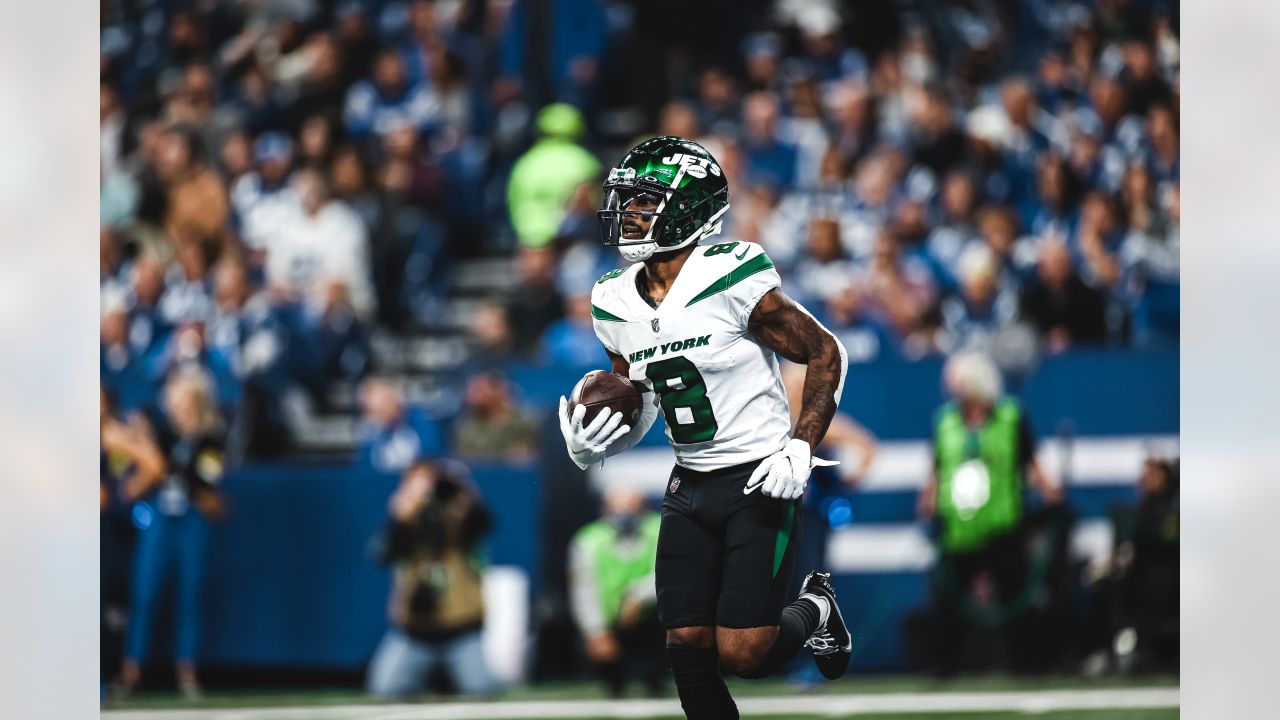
{"points": [[654, 324], [675, 481]]}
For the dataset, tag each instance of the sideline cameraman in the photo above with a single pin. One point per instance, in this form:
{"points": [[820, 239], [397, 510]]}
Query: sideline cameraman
{"points": [[437, 607]]}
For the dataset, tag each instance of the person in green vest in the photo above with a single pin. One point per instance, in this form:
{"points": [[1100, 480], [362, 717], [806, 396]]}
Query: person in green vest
{"points": [[544, 179], [984, 456], [613, 596]]}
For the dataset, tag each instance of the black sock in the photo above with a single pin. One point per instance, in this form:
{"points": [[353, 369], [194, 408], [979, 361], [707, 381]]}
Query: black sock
{"points": [[799, 620], [702, 692]]}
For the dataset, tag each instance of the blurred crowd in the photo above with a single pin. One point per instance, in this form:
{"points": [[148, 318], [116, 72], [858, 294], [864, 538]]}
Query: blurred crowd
{"points": [[282, 180]]}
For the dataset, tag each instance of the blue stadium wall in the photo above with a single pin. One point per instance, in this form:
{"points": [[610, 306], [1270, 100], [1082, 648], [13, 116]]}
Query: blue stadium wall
{"points": [[291, 584]]}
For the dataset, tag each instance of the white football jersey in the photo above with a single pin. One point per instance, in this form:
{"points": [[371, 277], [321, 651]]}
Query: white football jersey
{"points": [[719, 389]]}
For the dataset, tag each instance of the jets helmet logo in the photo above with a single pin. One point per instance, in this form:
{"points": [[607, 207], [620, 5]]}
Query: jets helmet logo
{"points": [[693, 165]]}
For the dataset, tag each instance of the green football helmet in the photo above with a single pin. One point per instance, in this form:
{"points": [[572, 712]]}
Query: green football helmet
{"points": [[681, 180]]}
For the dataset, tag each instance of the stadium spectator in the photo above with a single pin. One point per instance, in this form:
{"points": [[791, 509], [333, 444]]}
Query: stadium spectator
{"points": [[544, 178], [769, 161], [263, 199], [571, 341], [246, 335], [1064, 311], [387, 99], [491, 426], [535, 302], [984, 454], [974, 317], [436, 609], [195, 196], [612, 593], [393, 435], [171, 548]]}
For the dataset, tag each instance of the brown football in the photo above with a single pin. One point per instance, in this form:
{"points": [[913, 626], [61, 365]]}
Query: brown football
{"points": [[601, 389]]}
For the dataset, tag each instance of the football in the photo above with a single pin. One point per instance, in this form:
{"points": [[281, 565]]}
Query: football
{"points": [[601, 389]]}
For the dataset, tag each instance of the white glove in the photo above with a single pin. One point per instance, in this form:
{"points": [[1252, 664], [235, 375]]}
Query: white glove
{"points": [[587, 445], [784, 474]]}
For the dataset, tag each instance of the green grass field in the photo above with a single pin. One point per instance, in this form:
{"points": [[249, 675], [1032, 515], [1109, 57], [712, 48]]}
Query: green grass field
{"points": [[909, 688]]}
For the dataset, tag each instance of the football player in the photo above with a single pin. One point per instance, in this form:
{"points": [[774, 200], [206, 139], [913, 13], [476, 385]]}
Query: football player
{"points": [[696, 327]]}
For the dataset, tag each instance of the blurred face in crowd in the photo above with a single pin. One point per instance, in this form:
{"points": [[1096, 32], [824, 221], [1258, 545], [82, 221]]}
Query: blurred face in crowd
{"points": [[715, 88], [420, 479], [401, 143], [762, 68], [490, 327], [935, 116], [678, 119], [347, 174], [760, 110], [849, 105], [1055, 264], [1139, 61], [1018, 101], [1096, 214], [1137, 185], [824, 240], [115, 327], [1155, 478], [536, 266], [311, 190], [325, 64], [184, 402], [998, 229], [315, 139], [1051, 181], [957, 196], [108, 251], [884, 255], [578, 309], [108, 101], [198, 86], [185, 32], [388, 72], [381, 402], [622, 505], [237, 154], [174, 157], [806, 98], [978, 280], [149, 281], [1108, 99], [1162, 130], [832, 169], [422, 18], [191, 259], [230, 285], [487, 396], [1053, 70]]}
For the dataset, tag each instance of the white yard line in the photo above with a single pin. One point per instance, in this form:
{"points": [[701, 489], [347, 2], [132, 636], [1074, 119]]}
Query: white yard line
{"points": [[834, 705]]}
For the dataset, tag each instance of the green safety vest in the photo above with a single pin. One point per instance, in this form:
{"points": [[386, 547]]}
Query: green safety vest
{"points": [[615, 571], [979, 481]]}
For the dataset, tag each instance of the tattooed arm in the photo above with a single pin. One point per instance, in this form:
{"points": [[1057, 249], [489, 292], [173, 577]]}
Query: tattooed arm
{"points": [[781, 325]]}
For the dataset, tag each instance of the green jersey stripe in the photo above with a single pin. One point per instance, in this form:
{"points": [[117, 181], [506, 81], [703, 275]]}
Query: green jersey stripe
{"points": [[600, 314], [742, 272]]}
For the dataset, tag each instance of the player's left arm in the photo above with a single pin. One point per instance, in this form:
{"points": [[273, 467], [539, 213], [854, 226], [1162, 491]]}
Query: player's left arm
{"points": [[785, 327]]}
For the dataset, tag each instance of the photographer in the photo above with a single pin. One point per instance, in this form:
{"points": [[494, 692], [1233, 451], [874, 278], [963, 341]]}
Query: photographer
{"points": [[437, 607]]}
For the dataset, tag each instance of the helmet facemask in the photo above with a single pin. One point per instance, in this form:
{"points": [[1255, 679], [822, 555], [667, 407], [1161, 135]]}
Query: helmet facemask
{"points": [[635, 219]]}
